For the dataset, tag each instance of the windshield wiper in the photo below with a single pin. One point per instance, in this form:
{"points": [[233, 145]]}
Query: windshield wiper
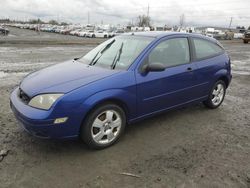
{"points": [[95, 59], [117, 57]]}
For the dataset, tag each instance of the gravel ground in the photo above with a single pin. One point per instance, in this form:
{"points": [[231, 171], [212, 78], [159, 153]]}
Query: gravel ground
{"points": [[189, 147]]}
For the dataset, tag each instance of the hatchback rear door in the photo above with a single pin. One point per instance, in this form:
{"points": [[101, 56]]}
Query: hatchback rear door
{"points": [[209, 58]]}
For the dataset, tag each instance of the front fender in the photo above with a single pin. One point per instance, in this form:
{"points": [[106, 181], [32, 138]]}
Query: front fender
{"points": [[128, 99]]}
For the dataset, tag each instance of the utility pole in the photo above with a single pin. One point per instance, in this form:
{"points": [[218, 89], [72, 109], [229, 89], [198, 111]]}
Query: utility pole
{"points": [[231, 20], [88, 17], [148, 11], [148, 16]]}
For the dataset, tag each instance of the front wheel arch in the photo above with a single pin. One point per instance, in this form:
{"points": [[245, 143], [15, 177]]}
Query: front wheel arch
{"points": [[116, 96], [117, 102]]}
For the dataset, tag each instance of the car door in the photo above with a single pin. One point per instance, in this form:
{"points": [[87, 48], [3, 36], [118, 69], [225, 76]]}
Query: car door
{"points": [[172, 87]]}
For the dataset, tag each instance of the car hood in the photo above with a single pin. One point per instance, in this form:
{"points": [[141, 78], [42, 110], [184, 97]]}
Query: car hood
{"points": [[62, 78]]}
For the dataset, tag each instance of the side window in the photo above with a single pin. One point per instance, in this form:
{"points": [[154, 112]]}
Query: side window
{"points": [[171, 52], [204, 48]]}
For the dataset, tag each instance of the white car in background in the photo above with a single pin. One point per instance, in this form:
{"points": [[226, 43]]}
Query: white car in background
{"points": [[82, 33], [74, 32], [97, 34], [58, 29], [90, 34], [238, 35], [101, 34], [116, 33]]}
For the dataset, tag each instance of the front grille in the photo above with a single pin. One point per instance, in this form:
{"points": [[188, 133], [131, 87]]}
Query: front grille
{"points": [[23, 96]]}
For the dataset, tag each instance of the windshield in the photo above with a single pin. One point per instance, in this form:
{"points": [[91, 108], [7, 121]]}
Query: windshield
{"points": [[116, 53]]}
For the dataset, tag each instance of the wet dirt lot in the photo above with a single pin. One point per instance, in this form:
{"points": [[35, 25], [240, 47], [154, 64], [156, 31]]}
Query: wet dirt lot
{"points": [[189, 147]]}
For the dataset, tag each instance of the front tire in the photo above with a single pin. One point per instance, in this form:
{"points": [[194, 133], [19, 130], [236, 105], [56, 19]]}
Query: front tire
{"points": [[103, 126], [216, 95]]}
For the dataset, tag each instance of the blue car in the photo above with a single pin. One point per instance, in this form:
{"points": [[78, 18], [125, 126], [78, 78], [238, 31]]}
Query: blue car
{"points": [[125, 79]]}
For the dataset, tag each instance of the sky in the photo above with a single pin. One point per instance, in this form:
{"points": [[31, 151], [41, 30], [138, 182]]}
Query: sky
{"points": [[161, 12]]}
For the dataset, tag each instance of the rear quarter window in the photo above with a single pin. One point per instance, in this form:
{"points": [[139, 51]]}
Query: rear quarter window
{"points": [[205, 49]]}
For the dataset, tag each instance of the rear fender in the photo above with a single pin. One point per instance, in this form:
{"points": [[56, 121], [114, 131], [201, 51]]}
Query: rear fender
{"points": [[222, 74]]}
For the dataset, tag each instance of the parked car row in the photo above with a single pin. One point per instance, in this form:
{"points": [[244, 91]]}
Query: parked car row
{"points": [[108, 31], [71, 30], [95, 33]]}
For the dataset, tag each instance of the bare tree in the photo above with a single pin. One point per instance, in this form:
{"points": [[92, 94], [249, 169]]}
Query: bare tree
{"points": [[53, 22], [36, 21], [143, 21], [182, 20]]}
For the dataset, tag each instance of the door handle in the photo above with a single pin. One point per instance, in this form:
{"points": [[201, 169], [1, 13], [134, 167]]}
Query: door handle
{"points": [[189, 69]]}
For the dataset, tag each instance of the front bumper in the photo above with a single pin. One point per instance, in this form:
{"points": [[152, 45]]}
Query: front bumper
{"points": [[39, 123]]}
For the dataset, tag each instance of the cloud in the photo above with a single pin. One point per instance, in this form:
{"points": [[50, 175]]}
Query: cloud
{"points": [[162, 12]]}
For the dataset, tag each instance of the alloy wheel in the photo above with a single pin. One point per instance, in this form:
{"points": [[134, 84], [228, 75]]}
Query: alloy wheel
{"points": [[218, 94], [106, 127]]}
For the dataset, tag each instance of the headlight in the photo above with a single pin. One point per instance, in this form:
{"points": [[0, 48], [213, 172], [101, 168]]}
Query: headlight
{"points": [[44, 101]]}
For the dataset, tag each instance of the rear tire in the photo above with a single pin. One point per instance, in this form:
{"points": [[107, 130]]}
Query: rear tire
{"points": [[103, 126], [216, 95], [245, 41]]}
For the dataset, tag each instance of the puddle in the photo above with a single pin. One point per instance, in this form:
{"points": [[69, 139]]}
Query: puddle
{"points": [[241, 67], [239, 72], [3, 74]]}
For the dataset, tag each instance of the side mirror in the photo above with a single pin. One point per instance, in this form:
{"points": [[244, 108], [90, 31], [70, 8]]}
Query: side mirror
{"points": [[153, 67]]}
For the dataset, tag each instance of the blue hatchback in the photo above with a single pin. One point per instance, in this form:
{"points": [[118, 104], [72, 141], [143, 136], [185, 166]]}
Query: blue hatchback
{"points": [[125, 79]]}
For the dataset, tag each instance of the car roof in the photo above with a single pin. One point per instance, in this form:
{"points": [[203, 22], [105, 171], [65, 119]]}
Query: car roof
{"points": [[161, 34], [154, 34]]}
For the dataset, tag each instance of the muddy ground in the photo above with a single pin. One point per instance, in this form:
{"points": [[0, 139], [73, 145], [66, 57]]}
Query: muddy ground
{"points": [[189, 147]]}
